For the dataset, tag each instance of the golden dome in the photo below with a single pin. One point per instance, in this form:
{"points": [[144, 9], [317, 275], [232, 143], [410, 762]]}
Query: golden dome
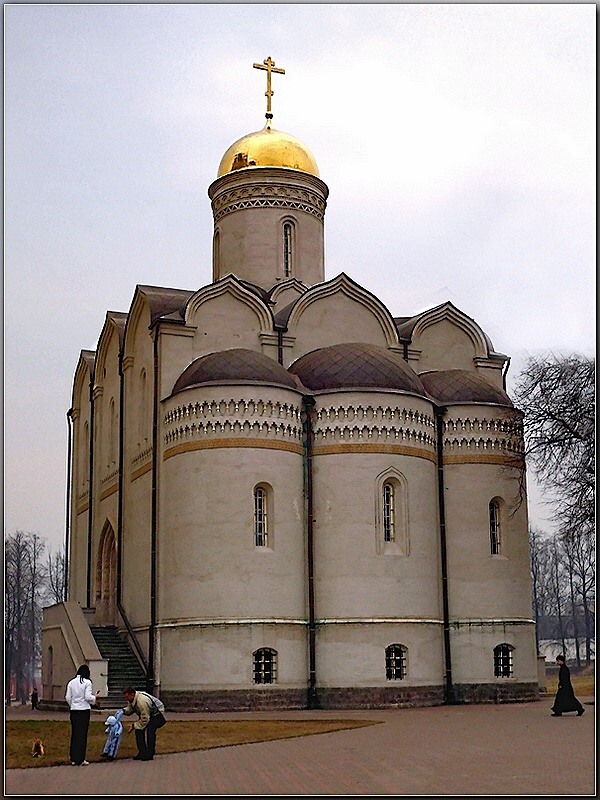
{"points": [[268, 148]]}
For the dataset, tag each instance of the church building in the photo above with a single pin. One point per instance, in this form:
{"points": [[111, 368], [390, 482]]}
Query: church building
{"points": [[283, 493]]}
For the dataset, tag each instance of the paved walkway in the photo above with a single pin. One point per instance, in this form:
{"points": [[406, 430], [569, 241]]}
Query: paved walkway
{"points": [[512, 749]]}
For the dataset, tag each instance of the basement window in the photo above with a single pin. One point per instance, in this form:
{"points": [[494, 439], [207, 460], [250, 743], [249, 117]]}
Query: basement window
{"points": [[395, 662], [265, 665], [503, 660]]}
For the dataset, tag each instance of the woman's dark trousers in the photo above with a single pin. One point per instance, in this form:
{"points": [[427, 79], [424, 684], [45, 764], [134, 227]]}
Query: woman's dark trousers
{"points": [[80, 722]]}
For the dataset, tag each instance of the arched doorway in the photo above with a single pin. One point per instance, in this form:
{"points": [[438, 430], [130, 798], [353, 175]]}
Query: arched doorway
{"points": [[106, 578]]}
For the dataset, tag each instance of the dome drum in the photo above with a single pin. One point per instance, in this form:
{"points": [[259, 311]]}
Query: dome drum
{"points": [[250, 209], [268, 187]]}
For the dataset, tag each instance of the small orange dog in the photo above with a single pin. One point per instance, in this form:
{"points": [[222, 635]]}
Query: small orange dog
{"points": [[38, 748]]}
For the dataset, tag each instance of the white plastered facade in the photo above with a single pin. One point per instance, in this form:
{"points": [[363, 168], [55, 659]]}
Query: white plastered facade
{"points": [[175, 465]]}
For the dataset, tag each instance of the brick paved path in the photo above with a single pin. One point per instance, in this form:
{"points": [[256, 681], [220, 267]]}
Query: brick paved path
{"points": [[512, 749]]}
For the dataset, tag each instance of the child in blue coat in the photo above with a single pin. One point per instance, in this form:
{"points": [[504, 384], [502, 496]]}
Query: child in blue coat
{"points": [[114, 731]]}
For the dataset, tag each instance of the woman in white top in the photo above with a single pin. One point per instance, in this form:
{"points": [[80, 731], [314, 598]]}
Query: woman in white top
{"points": [[80, 697]]}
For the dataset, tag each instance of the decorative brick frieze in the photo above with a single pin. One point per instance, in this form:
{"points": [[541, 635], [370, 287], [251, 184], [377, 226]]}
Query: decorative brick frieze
{"points": [[511, 427], [109, 478], [268, 195], [375, 424], [480, 435], [233, 418], [141, 458]]}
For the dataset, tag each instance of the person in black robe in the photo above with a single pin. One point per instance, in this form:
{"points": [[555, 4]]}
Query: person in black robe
{"points": [[565, 699]]}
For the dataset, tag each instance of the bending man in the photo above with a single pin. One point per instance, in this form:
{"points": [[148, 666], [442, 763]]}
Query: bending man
{"points": [[146, 707]]}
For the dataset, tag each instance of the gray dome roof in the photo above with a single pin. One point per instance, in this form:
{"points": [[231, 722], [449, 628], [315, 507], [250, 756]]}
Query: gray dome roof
{"points": [[239, 365], [463, 386], [355, 365]]}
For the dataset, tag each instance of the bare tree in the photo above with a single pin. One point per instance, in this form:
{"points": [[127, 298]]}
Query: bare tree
{"points": [[56, 576], [556, 394], [542, 590], [579, 550], [24, 586]]}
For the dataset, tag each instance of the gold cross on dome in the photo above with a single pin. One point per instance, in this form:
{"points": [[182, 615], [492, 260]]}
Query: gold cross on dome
{"points": [[270, 67]]}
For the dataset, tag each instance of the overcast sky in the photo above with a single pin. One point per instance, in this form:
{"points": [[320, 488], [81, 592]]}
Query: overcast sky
{"points": [[458, 142]]}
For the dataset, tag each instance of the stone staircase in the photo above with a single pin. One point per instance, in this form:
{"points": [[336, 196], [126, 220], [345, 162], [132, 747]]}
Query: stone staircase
{"points": [[124, 668]]}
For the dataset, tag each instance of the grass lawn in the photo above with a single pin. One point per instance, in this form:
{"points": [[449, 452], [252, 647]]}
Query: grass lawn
{"points": [[583, 684], [176, 736]]}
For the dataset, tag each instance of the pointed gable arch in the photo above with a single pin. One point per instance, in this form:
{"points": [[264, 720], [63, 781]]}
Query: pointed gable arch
{"points": [[287, 291], [81, 413], [337, 311], [229, 314], [444, 338], [138, 324], [111, 337], [106, 393], [84, 374]]}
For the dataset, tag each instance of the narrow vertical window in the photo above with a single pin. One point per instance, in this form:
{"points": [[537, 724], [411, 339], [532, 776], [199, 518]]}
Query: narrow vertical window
{"points": [[287, 249], [503, 660], [261, 531], [389, 513], [495, 528], [86, 452], [216, 256], [395, 662], [111, 432], [142, 410], [264, 665]]}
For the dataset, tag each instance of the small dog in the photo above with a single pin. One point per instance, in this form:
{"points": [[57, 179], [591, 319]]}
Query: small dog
{"points": [[38, 748]]}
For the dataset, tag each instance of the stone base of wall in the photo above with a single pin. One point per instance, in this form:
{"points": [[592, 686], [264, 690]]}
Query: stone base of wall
{"points": [[496, 693], [273, 699], [380, 697], [235, 700]]}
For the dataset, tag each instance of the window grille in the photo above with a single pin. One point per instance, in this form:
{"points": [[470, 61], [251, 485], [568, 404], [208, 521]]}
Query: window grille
{"points": [[494, 528], [260, 517], [389, 513], [503, 661], [395, 662], [265, 665], [287, 249], [216, 255]]}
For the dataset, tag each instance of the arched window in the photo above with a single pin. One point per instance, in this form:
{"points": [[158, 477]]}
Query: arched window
{"points": [[389, 512], [288, 248], [261, 522], [503, 660], [142, 410], [395, 662], [495, 541], [111, 431], [86, 452], [264, 665], [216, 256]]}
